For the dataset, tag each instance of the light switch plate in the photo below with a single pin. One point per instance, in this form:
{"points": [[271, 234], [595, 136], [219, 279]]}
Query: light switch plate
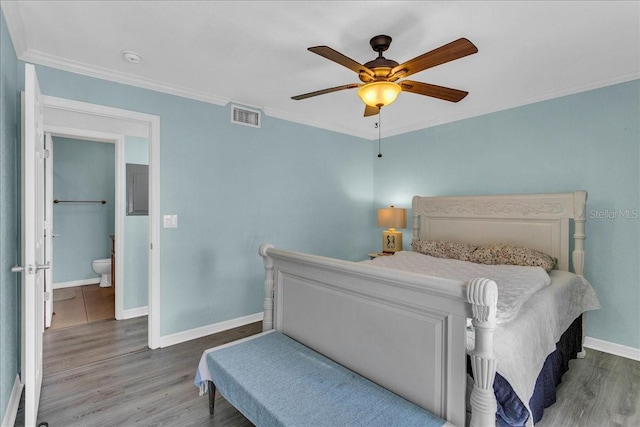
{"points": [[170, 221]]}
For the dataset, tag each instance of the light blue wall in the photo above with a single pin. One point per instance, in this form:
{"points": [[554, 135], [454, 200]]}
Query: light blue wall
{"points": [[302, 188], [586, 141], [9, 217], [233, 188], [82, 170], [136, 237]]}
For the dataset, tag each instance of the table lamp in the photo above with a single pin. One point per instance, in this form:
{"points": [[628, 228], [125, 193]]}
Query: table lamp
{"points": [[393, 218]]}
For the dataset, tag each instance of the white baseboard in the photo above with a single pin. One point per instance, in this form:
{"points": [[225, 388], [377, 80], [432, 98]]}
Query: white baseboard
{"points": [[612, 348], [135, 312], [74, 283], [203, 331], [10, 414]]}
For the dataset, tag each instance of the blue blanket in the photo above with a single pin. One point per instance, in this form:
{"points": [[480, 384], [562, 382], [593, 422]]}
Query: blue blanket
{"points": [[276, 381]]}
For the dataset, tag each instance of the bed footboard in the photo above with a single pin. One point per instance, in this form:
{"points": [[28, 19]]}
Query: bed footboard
{"points": [[404, 331]]}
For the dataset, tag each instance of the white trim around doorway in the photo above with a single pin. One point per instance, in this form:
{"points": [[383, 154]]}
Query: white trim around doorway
{"points": [[98, 120]]}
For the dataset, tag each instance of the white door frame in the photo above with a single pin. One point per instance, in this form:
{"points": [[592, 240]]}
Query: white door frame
{"points": [[60, 113], [118, 141]]}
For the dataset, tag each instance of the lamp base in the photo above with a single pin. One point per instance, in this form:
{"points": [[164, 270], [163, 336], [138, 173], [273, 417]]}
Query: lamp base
{"points": [[391, 241]]}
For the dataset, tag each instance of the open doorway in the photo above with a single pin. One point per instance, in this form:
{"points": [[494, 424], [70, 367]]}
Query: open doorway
{"points": [[83, 176], [67, 118], [100, 249]]}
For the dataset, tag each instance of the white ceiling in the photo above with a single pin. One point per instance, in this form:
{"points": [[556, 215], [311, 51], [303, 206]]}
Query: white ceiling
{"points": [[254, 52]]}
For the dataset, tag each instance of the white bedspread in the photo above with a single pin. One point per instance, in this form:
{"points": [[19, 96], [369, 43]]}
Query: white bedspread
{"points": [[522, 344], [515, 283]]}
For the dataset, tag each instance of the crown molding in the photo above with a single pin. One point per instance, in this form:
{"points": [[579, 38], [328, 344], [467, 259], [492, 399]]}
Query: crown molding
{"points": [[41, 58], [56, 62], [489, 109]]}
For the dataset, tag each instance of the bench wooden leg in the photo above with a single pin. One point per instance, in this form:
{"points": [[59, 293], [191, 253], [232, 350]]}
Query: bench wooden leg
{"points": [[212, 395]]}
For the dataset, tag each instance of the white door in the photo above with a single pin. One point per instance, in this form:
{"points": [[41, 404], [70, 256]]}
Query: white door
{"points": [[33, 160], [48, 230]]}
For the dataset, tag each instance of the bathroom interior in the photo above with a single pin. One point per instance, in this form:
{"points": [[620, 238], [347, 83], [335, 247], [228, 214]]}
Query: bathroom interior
{"points": [[84, 255]]}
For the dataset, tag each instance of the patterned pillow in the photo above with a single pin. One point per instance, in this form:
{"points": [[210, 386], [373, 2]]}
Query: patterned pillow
{"points": [[503, 254], [439, 249]]}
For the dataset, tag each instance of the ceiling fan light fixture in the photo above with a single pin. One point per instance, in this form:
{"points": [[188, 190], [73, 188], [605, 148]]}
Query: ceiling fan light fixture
{"points": [[378, 94]]}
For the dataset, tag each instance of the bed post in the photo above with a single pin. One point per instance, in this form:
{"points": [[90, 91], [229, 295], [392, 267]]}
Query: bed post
{"points": [[579, 235], [267, 320], [483, 295]]}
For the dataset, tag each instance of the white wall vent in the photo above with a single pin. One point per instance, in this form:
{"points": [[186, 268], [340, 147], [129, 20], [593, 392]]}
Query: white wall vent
{"points": [[245, 116]]}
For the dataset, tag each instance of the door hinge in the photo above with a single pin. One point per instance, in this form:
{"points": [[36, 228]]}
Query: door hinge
{"points": [[46, 154], [47, 296]]}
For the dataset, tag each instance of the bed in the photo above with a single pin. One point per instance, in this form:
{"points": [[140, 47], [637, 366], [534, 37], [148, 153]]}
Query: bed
{"points": [[419, 315]]}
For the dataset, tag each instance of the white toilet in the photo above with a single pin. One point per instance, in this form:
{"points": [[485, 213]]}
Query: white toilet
{"points": [[103, 268]]}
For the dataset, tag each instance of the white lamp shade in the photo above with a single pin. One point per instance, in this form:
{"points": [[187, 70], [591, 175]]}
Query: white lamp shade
{"points": [[392, 217]]}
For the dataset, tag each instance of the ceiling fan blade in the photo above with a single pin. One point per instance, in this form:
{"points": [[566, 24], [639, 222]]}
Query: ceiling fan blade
{"points": [[341, 59], [440, 92], [449, 52], [370, 111], [323, 91]]}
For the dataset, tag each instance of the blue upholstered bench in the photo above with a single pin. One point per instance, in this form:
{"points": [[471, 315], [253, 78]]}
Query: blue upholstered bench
{"points": [[274, 380]]}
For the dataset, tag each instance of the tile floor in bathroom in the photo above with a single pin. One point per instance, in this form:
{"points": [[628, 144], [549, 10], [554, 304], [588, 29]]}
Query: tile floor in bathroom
{"points": [[82, 304]]}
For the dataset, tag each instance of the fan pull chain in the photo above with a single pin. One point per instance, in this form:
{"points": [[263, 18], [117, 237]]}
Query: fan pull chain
{"points": [[379, 131]]}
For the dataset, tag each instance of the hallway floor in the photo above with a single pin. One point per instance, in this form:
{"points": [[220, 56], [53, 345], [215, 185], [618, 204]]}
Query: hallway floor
{"points": [[82, 304]]}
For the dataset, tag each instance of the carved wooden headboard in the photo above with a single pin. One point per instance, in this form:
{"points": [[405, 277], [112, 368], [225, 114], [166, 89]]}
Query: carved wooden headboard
{"points": [[536, 221]]}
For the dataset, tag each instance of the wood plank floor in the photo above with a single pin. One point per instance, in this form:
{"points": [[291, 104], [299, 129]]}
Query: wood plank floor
{"points": [[601, 390], [103, 374]]}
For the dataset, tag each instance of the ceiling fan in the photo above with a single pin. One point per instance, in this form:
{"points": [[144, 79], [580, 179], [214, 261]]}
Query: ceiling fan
{"points": [[380, 76]]}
